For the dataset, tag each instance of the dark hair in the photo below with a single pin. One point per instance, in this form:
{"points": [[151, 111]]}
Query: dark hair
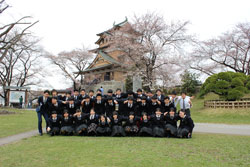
{"points": [[99, 95], [83, 90], [118, 89], [110, 91], [65, 111], [166, 97], [87, 97], [131, 113], [68, 92], [158, 90], [53, 90], [154, 97], [130, 92], [130, 98], [98, 90], [76, 90], [143, 98], [54, 98], [183, 92], [149, 91], [115, 113], [158, 109], [172, 109], [139, 90], [78, 110], [182, 110], [71, 99], [109, 98], [46, 91], [54, 112], [91, 91]]}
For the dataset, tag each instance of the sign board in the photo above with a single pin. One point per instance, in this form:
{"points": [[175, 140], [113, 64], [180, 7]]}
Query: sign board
{"points": [[15, 95]]}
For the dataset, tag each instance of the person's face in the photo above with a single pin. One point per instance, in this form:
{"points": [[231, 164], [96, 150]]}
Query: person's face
{"points": [[144, 117], [99, 98], [46, 95], [139, 93], [87, 100], [131, 116], [143, 101], [130, 95], [54, 115], [76, 93], [91, 93], [102, 118], [150, 94], [181, 114], [183, 95], [154, 100], [98, 92], [158, 93], [71, 102], [109, 101], [130, 101], [166, 101], [171, 113], [78, 113], [82, 92], [158, 113], [54, 93], [92, 112], [66, 114], [115, 116], [118, 92], [54, 101], [173, 96], [110, 94]]}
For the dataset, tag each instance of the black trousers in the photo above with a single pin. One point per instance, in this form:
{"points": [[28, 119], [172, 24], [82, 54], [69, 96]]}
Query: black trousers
{"points": [[182, 132], [170, 130], [188, 112]]}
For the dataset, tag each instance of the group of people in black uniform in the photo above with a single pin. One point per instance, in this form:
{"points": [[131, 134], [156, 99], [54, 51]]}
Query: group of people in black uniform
{"points": [[115, 114]]}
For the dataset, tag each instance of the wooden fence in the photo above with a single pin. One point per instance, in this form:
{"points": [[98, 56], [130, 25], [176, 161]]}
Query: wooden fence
{"points": [[227, 104]]}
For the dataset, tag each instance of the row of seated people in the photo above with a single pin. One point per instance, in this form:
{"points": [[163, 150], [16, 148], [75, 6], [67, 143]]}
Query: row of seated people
{"points": [[157, 124]]}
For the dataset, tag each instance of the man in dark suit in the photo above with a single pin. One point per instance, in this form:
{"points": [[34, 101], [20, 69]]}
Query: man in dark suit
{"points": [[42, 110], [99, 105], [55, 105], [82, 94], [142, 107], [159, 95], [128, 106], [87, 104], [72, 106]]}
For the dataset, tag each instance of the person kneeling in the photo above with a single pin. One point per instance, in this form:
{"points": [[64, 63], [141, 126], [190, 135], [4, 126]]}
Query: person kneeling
{"points": [[54, 124], [92, 122], [80, 123], [67, 124], [186, 126], [103, 128], [131, 128], [171, 123], [158, 123], [145, 125], [116, 122]]}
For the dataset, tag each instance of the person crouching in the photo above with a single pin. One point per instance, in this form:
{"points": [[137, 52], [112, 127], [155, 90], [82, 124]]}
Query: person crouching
{"points": [[54, 124], [67, 124]]}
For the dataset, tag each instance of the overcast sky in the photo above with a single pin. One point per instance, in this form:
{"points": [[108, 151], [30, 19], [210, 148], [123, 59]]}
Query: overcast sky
{"points": [[65, 25]]}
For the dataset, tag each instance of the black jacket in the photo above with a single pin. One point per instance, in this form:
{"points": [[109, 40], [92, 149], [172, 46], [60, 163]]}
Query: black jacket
{"points": [[187, 123]]}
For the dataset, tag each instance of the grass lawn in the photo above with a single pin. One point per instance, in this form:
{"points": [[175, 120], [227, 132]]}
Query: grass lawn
{"points": [[202, 150], [21, 121], [208, 115]]}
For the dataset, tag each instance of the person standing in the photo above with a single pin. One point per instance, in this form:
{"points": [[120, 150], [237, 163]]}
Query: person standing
{"points": [[42, 110], [185, 103], [21, 101]]}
